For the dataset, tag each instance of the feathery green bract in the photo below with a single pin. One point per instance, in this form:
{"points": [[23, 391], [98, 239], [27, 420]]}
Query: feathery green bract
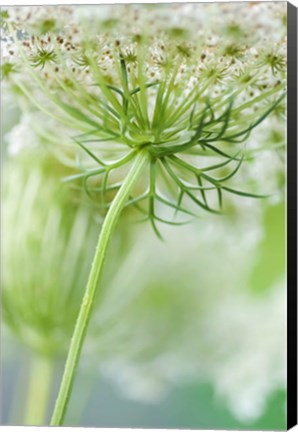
{"points": [[211, 127]]}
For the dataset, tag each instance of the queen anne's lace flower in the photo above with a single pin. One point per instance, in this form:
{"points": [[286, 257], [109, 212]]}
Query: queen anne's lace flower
{"points": [[187, 90]]}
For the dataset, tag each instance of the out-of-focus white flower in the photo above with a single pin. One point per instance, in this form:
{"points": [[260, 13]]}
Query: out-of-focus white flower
{"points": [[47, 250], [22, 136], [249, 335], [190, 315]]}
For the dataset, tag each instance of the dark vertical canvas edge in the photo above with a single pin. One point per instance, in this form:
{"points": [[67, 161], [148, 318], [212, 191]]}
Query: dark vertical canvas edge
{"points": [[292, 217]]}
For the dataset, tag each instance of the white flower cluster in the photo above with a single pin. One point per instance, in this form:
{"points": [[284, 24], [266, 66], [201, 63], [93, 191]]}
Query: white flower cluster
{"points": [[222, 44]]}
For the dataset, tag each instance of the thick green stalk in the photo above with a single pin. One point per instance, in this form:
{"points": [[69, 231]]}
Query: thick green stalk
{"points": [[39, 388], [79, 333]]}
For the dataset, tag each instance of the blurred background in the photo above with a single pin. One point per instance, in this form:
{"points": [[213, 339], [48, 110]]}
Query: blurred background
{"points": [[99, 403]]}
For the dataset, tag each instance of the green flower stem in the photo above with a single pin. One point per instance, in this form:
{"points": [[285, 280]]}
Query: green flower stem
{"points": [[39, 389], [79, 333]]}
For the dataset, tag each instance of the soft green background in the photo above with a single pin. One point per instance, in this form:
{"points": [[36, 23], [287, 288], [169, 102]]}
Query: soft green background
{"points": [[186, 407]]}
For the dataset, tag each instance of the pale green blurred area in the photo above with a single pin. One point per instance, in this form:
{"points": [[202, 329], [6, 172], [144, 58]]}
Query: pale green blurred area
{"points": [[155, 312], [97, 403]]}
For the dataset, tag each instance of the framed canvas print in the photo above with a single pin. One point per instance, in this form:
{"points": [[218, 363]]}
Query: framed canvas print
{"points": [[149, 206]]}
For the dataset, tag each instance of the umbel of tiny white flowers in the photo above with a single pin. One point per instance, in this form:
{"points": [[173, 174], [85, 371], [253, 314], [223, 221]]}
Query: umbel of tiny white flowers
{"points": [[161, 118]]}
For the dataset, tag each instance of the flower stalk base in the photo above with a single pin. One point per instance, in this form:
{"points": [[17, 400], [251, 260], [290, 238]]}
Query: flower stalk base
{"points": [[79, 333]]}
